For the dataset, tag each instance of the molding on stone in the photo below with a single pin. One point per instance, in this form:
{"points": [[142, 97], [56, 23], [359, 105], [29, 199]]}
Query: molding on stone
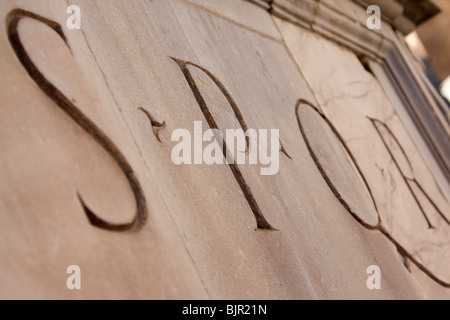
{"points": [[265, 4], [383, 46], [320, 17], [393, 13], [404, 15], [327, 21]]}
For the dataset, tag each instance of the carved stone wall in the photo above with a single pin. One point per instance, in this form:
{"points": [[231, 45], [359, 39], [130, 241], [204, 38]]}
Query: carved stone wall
{"points": [[87, 176]]}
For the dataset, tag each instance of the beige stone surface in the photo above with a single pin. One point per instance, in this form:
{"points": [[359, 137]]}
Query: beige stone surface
{"points": [[200, 239], [46, 158], [413, 210], [337, 164], [240, 12]]}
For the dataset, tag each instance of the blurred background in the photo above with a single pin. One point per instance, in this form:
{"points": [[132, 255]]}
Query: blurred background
{"points": [[430, 43]]}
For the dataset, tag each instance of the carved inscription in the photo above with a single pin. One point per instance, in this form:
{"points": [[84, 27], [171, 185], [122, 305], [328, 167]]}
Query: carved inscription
{"points": [[324, 146], [398, 157], [13, 20], [261, 221], [356, 198]]}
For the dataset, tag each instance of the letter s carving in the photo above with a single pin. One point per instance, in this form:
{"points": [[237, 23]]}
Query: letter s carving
{"points": [[12, 22]]}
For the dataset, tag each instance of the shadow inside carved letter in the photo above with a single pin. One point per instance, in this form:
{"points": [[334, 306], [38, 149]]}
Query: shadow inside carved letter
{"points": [[54, 86], [261, 221], [336, 164]]}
